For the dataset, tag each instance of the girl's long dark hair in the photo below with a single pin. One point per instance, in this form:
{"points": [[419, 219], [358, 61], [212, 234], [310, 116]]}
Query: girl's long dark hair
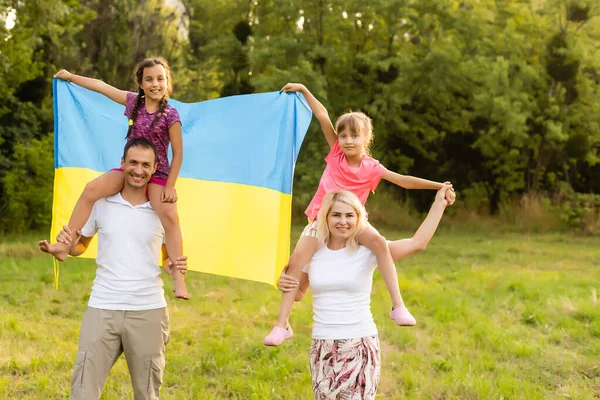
{"points": [[138, 76]]}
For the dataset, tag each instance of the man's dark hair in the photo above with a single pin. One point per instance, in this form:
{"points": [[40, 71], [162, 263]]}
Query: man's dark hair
{"points": [[144, 144]]}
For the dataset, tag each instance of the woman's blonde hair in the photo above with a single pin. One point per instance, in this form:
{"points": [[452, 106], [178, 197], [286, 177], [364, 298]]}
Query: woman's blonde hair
{"points": [[357, 122], [346, 197]]}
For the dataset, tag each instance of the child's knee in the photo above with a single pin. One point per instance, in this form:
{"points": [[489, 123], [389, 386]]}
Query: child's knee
{"points": [[169, 217]]}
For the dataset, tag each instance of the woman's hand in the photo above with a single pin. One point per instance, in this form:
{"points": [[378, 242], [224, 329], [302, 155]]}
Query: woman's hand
{"points": [[445, 195], [287, 283], [64, 75], [450, 194], [168, 195], [293, 87]]}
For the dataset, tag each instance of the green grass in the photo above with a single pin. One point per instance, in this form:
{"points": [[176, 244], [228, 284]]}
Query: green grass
{"points": [[499, 317]]}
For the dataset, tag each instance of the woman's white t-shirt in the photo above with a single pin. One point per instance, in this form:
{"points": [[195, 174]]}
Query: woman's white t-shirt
{"points": [[341, 281]]}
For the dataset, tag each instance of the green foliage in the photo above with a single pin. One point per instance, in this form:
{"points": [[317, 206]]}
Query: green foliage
{"points": [[501, 98], [580, 211], [27, 187]]}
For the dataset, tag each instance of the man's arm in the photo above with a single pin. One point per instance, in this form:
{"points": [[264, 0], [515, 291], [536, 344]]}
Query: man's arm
{"points": [[180, 263], [78, 243], [80, 247], [165, 260]]}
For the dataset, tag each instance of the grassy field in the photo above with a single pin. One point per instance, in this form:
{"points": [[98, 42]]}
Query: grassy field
{"points": [[498, 317]]}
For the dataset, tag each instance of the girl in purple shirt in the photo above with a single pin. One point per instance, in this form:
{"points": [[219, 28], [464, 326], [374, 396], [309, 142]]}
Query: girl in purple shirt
{"points": [[150, 117]]}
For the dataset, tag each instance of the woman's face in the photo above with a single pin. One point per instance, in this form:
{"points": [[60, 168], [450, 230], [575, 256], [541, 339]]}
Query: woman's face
{"points": [[341, 220]]}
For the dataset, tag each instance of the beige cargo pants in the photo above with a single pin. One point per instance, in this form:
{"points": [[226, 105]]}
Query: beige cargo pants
{"points": [[105, 334]]}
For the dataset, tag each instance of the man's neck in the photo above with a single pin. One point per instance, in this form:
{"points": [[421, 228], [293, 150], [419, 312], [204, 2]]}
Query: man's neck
{"points": [[135, 196]]}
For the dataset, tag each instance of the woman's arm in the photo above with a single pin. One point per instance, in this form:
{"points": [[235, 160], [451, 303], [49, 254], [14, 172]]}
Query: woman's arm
{"points": [[120, 96], [303, 288], [169, 195], [317, 108], [405, 247], [287, 283]]}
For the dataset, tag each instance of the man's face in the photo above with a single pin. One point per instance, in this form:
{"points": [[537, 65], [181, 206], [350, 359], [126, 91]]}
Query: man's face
{"points": [[139, 166]]}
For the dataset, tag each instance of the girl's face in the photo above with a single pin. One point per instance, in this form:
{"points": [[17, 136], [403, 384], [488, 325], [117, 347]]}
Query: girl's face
{"points": [[351, 143], [341, 221], [154, 82]]}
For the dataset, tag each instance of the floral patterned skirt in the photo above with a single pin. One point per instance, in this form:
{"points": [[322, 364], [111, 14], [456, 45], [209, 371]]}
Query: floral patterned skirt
{"points": [[345, 368]]}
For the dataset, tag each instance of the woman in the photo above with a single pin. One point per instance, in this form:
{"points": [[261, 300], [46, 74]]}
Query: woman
{"points": [[344, 355]]}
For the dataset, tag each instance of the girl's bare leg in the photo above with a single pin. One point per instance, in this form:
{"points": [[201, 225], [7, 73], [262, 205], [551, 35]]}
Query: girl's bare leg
{"points": [[105, 185], [305, 249], [371, 238], [167, 212]]}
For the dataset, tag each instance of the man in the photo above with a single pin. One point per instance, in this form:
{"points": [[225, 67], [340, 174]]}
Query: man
{"points": [[127, 312]]}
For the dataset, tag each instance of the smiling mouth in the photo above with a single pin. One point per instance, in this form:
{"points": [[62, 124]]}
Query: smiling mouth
{"points": [[137, 178]]}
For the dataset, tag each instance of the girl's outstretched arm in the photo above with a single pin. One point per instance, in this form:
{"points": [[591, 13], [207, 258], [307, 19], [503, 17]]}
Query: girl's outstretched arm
{"points": [[94, 84], [411, 182], [405, 247], [317, 108], [168, 194]]}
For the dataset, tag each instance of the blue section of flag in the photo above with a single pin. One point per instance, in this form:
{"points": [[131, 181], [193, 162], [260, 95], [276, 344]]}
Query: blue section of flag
{"points": [[250, 139]]}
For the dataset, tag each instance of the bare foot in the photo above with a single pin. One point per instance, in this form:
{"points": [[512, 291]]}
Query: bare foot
{"points": [[58, 250], [179, 286]]}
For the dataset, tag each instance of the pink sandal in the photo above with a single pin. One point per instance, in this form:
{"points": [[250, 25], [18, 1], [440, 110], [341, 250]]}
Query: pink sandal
{"points": [[403, 317], [277, 336]]}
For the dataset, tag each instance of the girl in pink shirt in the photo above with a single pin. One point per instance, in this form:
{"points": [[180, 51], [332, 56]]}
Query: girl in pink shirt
{"points": [[349, 167], [151, 117]]}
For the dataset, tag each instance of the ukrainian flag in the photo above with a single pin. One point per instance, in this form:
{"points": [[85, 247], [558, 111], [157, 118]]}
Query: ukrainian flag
{"points": [[235, 185]]}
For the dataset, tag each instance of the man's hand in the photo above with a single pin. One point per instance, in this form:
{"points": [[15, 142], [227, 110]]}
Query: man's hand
{"points": [[180, 265], [65, 236]]}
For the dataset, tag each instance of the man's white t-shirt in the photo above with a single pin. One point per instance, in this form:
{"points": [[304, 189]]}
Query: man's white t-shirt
{"points": [[129, 243], [341, 281]]}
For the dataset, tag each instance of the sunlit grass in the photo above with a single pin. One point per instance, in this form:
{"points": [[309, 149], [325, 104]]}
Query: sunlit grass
{"points": [[499, 316]]}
